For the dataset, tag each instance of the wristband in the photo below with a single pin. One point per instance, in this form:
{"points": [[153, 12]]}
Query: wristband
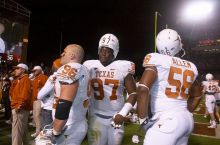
{"points": [[126, 108], [143, 85], [142, 120], [56, 133]]}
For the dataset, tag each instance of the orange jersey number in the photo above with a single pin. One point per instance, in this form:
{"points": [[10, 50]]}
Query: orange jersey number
{"points": [[180, 85], [68, 70], [97, 85]]}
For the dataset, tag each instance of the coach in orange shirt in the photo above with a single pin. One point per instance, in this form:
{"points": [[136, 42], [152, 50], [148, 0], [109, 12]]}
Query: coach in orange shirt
{"points": [[21, 104], [37, 83]]}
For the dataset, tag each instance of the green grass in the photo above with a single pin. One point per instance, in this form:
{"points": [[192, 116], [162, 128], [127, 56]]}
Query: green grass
{"points": [[200, 118], [197, 140], [131, 129]]}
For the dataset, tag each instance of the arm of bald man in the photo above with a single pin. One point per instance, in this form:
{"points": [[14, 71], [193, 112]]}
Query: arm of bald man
{"points": [[68, 94], [143, 91]]}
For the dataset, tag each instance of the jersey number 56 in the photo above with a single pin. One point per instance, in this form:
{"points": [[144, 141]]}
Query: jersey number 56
{"points": [[180, 85]]}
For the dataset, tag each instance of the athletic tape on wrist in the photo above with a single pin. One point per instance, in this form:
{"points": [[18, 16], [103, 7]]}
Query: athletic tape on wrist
{"points": [[133, 93], [150, 69], [56, 132], [126, 108], [142, 120]]}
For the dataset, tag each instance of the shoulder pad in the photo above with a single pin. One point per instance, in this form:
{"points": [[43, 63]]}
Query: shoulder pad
{"points": [[69, 73]]}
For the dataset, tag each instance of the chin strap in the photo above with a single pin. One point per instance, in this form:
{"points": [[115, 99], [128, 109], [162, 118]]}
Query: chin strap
{"points": [[184, 52]]}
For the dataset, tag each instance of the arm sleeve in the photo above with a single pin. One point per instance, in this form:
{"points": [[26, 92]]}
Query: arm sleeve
{"points": [[45, 90], [127, 67], [25, 90]]}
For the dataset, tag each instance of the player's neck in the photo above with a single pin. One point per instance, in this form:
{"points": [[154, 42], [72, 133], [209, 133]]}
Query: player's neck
{"points": [[106, 63]]}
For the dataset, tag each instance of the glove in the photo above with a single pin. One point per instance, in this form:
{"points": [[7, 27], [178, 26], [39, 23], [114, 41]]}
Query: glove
{"points": [[147, 124]]}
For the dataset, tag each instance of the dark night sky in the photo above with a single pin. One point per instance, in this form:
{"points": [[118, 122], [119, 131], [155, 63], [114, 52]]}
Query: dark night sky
{"points": [[84, 22]]}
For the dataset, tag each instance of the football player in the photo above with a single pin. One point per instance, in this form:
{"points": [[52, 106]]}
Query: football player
{"points": [[210, 87], [46, 95], [108, 77], [2, 43], [70, 124], [168, 85]]}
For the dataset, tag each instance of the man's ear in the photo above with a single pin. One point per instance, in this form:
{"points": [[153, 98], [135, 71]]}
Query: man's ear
{"points": [[73, 56]]}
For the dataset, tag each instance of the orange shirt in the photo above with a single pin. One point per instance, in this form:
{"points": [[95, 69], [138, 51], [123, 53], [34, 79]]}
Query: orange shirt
{"points": [[37, 83], [20, 92]]}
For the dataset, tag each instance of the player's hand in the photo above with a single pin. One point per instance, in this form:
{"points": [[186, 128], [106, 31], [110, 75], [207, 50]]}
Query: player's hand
{"points": [[46, 136], [18, 109], [147, 124], [117, 121]]}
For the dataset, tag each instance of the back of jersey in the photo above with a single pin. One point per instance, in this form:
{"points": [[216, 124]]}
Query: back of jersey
{"points": [[175, 76]]}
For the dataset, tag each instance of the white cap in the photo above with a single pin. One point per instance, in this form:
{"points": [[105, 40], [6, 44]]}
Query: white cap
{"points": [[37, 68], [22, 65]]}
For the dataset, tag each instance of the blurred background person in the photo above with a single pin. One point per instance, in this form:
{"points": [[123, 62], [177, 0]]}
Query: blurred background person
{"points": [[38, 82], [2, 43], [210, 87], [21, 104], [6, 99]]}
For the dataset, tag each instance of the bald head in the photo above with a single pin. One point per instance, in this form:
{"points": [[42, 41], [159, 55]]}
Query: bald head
{"points": [[72, 53]]}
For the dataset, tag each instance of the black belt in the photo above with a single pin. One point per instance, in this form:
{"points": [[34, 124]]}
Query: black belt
{"points": [[47, 110], [209, 93], [103, 116]]}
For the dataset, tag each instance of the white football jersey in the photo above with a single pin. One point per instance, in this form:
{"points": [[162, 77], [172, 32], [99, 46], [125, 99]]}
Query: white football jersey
{"points": [[67, 74], [107, 84], [217, 95], [210, 86], [174, 78]]}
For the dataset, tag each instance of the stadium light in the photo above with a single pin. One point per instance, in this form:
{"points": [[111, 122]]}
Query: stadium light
{"points": [[198, 10]]}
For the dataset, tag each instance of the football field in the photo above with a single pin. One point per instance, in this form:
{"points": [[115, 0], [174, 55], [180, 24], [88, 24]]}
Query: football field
{"points": [[201, 134]]}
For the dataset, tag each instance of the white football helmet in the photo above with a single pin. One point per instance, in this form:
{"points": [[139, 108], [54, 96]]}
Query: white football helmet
{"points": [[209, 77], [168, 42], [110, 41]]}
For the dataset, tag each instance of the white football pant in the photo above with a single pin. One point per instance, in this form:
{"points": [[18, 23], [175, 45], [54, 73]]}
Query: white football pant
{"points": [[74, 134], [172, 128], [101, 132]]}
